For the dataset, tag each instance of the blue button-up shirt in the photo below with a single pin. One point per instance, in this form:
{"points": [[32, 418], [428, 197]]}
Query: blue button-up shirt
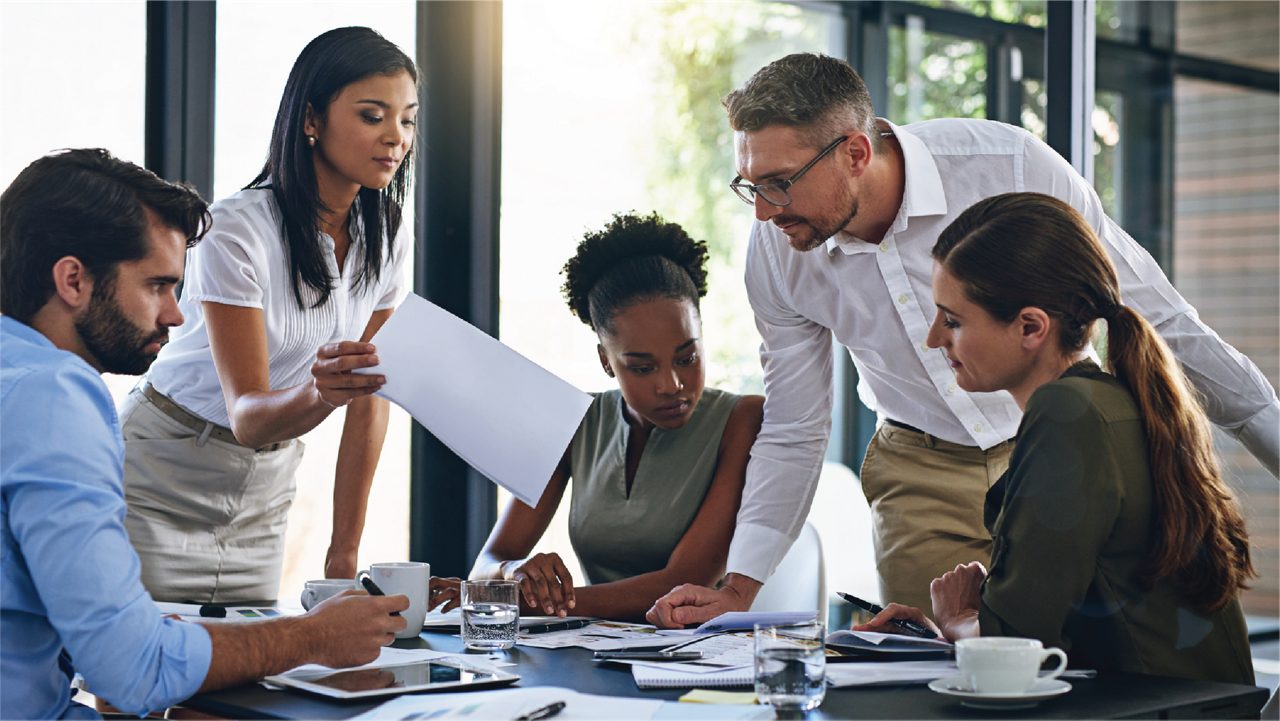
{"points": [[68, 575]]}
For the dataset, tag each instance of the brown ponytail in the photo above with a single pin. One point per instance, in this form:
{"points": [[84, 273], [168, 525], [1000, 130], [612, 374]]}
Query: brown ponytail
{"points": [[1021, 250], [1201, 544]]}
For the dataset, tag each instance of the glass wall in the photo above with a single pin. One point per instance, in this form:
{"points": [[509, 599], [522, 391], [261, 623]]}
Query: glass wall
{"points": [[615, 107], [73, 76], [1226, 262], [256, 46]]}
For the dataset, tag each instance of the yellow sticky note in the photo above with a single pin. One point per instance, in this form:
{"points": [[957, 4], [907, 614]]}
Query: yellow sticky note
{"points": [[702, 695]]}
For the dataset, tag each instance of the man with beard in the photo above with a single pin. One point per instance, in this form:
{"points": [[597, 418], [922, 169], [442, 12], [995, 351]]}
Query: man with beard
{"points": [[861, 202], [91, 251]]}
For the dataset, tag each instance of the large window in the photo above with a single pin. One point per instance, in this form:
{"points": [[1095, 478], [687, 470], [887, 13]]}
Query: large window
{"points": [[1225, 261], [614, 107], [73, 76], [256, 46]]}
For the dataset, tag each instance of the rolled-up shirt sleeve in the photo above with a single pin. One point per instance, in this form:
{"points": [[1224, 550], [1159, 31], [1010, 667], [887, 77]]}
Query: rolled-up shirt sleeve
{"points": [[1236, 395], [66, 508], [786, 459]]}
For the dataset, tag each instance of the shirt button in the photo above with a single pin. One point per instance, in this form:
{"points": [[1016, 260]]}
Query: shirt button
{"points": [[924, 347], [977, 427], [884, 246], [903, 299], [951, 388]]}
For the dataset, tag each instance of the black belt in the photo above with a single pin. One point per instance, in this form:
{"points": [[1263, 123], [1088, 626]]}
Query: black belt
{"points": [[903, 426], [205, 428]]}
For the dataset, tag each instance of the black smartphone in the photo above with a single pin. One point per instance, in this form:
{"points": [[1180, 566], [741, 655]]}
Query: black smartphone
{"points": [[651, 655]]}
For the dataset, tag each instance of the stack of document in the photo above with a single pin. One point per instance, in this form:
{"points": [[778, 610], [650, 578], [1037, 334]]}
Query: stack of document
{"points": [[874, 646]]}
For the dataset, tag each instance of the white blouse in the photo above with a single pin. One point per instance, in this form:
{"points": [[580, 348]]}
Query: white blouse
{"points": [[243, 261]]}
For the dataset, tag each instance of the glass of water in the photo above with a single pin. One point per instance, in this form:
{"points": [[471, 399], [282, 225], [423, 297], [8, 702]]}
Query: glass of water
{"points": [[791, 665], [490, 614]]}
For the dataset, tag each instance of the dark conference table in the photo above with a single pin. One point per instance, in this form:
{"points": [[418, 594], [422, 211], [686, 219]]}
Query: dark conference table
{"points": [[1115, 695]]}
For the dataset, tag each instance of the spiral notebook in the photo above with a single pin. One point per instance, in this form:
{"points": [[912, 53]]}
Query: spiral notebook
{"points": [[655, 677]]}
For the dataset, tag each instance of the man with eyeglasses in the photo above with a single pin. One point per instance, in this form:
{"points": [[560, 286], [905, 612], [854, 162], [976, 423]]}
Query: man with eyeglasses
{"points": [[861, 202]]}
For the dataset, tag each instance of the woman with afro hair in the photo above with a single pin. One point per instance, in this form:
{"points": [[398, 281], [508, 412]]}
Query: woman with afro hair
{"points": [[657, 465]]}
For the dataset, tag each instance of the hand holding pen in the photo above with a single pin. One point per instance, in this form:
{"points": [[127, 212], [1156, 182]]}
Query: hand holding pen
{"points": [[919, 628], [373, 589]]}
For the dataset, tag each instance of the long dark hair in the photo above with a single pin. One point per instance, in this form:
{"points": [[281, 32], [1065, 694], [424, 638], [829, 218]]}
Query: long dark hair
{"points": [[1023, 250], [326, 65], [635, 258]]}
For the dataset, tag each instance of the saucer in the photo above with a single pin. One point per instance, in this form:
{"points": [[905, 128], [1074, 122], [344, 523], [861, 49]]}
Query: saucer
{"points": [[957, 687]]}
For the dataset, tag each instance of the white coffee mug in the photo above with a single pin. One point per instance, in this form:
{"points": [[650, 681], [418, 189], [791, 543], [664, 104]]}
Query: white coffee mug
{"points": [[408, 578], [313, 592], [1003, 664]]}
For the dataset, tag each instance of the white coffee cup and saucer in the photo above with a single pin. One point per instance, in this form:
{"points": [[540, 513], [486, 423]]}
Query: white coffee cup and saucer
{"points": [[1001, 673]]}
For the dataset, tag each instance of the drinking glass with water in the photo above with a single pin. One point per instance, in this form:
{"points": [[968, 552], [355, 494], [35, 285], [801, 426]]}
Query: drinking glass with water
{"points": [[490, 614], [791, 665]]}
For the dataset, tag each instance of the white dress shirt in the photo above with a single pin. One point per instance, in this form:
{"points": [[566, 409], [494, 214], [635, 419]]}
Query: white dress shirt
{"points": [[243, 261], [877, 300]]}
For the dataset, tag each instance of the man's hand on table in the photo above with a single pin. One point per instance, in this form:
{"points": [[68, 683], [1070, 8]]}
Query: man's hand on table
{"points": [[689, 603]]}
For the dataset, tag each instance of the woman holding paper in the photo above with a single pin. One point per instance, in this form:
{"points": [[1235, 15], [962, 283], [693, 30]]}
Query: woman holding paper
{"points": [[657, 466], [1115, 537], [297, 273]]}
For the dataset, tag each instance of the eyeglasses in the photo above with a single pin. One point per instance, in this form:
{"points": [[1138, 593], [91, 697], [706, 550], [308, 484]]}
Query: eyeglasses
{"points": [[775, 192]]}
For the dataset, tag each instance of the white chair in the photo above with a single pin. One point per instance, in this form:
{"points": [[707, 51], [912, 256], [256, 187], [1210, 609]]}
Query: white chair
{"points": [[800, 582]]}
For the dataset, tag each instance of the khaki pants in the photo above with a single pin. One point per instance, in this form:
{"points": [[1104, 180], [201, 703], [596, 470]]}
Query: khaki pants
{"points": [[206, 517], [926, 498]]}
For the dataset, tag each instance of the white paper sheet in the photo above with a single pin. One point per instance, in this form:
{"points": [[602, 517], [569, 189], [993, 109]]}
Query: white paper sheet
{"points": [[509, 703], [872, 673], [502, 413], [599, 636]]}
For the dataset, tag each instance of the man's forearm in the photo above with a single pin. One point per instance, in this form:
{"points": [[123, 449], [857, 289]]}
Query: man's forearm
{"points": [[743, 587], [244, 652]]}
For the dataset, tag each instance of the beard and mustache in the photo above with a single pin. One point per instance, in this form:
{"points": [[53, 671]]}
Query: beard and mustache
{"points": [[112, 339], [820, 228]]}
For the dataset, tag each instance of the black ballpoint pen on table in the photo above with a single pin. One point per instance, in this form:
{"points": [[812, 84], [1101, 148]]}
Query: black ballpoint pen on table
{"points": [[564, 625], [547, 711], [373, 590], [910, 627]]}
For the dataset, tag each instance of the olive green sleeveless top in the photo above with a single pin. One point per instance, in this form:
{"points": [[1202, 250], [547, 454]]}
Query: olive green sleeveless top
{"points": [[619, 536]]}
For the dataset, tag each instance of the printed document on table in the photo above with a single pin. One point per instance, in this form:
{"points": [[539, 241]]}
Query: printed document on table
{"points": [[512, 702], [502, 413], [599, 636]]}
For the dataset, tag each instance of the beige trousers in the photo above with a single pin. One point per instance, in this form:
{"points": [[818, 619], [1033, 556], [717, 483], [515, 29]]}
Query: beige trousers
{"points": [[207, 517], [926, 498]]}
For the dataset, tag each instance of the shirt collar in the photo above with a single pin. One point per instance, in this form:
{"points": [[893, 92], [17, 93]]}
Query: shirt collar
{"points": [[24, 332], [923, 194]]}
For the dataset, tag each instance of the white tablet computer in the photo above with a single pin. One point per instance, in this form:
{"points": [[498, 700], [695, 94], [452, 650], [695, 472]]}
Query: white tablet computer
{"points": [[415, 677]]}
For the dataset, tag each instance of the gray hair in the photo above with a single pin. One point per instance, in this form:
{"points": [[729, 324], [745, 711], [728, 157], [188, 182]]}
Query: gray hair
{"points": [[820, 96]]}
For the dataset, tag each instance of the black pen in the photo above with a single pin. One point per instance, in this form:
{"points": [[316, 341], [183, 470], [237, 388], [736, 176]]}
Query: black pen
{"points": [[911, 627], [547, 711], [564, 625], [373, 590]]}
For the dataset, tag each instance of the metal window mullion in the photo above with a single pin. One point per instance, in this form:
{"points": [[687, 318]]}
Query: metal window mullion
{"points": [[180, 91], [1070, 57]]}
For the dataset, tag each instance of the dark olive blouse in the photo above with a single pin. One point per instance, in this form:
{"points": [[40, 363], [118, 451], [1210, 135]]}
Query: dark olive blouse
{"points": [[1072, 522]]}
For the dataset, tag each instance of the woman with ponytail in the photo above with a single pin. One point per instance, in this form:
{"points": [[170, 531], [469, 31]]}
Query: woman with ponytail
{"points": [[657, 465], [1115, 536]]}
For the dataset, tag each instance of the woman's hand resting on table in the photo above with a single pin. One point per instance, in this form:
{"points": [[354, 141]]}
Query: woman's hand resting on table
{"points": [[546, 586]]}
